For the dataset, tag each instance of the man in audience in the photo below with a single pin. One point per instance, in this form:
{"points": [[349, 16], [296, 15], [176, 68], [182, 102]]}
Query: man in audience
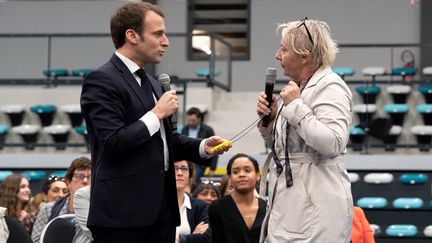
{"points": [[195, 128], [78, 175]]}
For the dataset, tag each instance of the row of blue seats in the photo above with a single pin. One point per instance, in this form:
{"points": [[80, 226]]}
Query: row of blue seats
{"points": [[15, 112], [386, 178], [33, 175], [399, 203], [402, 230], [65, 73]]}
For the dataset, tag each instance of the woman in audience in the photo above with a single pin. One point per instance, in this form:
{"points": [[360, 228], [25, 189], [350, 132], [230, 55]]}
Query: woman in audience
{"points": [[53, 188], [15, 195], [226, 186], [193, 212], [206, 192], [238, 216]]}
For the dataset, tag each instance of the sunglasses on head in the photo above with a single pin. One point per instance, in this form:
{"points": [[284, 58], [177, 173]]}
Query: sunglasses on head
{"points": [[55, 178], [303, 23]]}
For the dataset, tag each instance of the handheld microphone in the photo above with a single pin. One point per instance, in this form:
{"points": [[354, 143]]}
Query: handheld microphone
{"points": [[164, 80], [270, 75]]}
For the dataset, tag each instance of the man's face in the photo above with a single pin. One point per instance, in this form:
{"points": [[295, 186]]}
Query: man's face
{"points": [[193, 121], [153, 42]]}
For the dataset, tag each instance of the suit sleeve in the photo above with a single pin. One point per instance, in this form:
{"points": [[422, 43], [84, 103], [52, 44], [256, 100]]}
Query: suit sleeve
{"points": [[102, 103]]}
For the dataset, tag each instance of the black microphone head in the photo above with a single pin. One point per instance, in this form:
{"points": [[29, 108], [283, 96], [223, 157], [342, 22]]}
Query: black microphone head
{"points": [[164, 79], [271, 74]]}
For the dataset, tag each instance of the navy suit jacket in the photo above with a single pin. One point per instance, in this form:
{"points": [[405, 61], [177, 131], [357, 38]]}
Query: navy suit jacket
{"points": [[205, 131], [197, 214], [128, 176]]}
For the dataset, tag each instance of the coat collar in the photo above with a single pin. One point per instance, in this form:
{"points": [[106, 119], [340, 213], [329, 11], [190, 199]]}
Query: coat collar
{"points": [[319, 73]]}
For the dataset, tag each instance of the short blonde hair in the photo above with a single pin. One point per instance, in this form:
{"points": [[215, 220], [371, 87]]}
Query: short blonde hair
{"points": [[322, 48]]}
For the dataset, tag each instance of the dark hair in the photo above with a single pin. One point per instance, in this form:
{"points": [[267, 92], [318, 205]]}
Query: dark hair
{"points": [[240, 155], [201, 187], [224, 184], [46, 185], [130, 16], [81, 163], [9, 189], [194, 111]]}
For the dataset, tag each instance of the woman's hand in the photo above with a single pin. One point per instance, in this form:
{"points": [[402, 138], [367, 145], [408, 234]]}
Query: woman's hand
{"points": [[201, 228], [290, 92], [262, 106]]}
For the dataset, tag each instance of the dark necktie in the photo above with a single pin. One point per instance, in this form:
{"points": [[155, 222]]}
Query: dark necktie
{"points": [[146, 87]]}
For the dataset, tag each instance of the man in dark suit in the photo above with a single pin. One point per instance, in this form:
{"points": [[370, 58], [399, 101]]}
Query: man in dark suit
{"points": [[133, 194], [195, 128]]}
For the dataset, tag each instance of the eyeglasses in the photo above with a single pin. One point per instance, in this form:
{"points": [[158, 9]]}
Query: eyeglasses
{"points": [[81, 176], [181, 168], [55, 178], [303, 22]]}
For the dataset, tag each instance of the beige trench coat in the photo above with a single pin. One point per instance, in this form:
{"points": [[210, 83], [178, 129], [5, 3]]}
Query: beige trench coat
{"points": [[318, 207]]}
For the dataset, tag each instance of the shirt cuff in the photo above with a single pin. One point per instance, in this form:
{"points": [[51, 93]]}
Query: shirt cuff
{"points": [[203, 153], [151, 121]]}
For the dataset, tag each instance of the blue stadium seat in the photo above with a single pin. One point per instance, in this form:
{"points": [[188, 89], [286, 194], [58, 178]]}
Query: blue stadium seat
{"points": [[423, 135], [401, 71], [401, 230], [45, 113], [413, 178], [15, 113], [74, 113], [344, 71], [408, 203], [29, 134], [368, 94], [82, 72], [59, 133], [357, 137], [205, 72], [399, 93], [426, 111], [56, 73], [35, 175], [426, 90], [59, 173], [4, 174], [372, 202], [397, 112], [4, 130]]}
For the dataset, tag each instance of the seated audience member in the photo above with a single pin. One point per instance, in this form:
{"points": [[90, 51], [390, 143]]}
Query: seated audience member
{"points": [[4, 231], [52, 189], [361, 230], [206, 192], [81, 206], [238, 216], [226, 186], [193, 212], [78, 175], [15, 195]]}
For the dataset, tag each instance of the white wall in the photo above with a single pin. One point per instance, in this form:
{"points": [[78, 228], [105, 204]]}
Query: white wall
{"points": [[366, 21]]}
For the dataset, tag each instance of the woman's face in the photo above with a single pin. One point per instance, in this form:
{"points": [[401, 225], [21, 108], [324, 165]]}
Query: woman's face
{"points": [[24, 193], [207, 195], [290, 62], [182, 175], [58, 189], [243, 175], [230, 188]]}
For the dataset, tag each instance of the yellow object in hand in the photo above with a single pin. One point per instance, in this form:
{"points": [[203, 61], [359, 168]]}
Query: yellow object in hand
{"points": [[223, 145]]}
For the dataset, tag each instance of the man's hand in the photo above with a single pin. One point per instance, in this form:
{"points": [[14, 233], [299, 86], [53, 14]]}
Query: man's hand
{"points": [[212, 142], [166, 105]]}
